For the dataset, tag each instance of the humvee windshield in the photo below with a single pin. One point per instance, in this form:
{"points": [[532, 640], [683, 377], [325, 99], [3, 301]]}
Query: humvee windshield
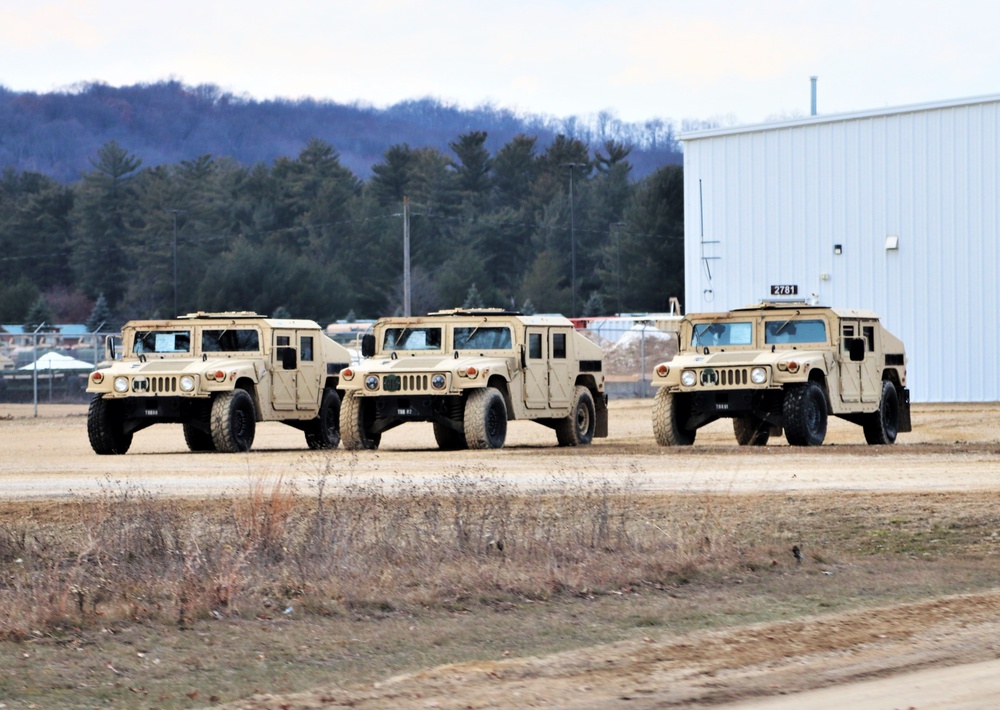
{"points": [[715, 334], [476, 338], [231, 340], [794, 331], [162, 341], [412, 339]]}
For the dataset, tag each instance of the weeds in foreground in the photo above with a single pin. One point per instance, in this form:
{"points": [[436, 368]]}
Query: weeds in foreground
{"points": [[344, 546]]}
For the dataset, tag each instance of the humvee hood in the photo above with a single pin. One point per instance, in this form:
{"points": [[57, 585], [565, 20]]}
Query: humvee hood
{"points": [[432, 364]]}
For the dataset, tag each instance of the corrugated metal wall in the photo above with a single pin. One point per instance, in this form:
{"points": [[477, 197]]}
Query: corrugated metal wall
{"points": [[767, 205]]}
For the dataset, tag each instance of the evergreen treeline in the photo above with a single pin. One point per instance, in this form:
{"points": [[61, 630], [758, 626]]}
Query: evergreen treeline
{"points": [[306, 236]]}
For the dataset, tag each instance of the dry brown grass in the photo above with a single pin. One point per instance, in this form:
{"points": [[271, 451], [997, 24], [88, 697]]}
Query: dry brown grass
{"points": [[293, 570]]}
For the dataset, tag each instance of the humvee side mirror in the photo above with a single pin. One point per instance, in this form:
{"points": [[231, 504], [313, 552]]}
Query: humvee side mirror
{"points": [[289, 359], [524, 359], [367, 345], [856, 347], [109, 348]]}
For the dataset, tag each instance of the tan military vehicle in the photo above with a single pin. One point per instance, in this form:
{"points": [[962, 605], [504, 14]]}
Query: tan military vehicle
{"points": [[470, 372], [218, 374], [782, 366]]}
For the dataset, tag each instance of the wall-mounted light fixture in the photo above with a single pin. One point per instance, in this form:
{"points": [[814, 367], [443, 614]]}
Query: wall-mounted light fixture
{"points": [[838, 249], [891, 242]]}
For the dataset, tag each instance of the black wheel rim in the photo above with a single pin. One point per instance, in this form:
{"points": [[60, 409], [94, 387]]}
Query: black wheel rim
{"points": [[494, 423], [240, 425], [583, 419]]}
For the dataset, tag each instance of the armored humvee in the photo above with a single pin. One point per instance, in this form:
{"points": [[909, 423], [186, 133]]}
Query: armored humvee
{"points": [[782, 366], [470, 372], [218, 374]]}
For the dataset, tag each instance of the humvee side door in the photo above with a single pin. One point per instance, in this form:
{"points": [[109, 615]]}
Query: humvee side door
{"points": [[859, 373], [283, 369], [536, 371]]}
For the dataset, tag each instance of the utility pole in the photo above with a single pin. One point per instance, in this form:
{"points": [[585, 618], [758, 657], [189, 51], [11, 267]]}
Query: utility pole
{"points": [[572, 231], [616, 227], [407, 303], [175, 213], [34, 373]]}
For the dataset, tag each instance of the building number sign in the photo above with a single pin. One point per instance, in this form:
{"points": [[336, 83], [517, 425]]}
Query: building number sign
{"points": [[784, 290]]}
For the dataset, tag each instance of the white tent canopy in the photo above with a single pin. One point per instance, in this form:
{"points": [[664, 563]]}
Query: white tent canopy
{"points": [[55, 361]]}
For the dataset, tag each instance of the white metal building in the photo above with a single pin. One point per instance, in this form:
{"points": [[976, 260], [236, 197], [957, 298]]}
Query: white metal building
{"points": [[895, 210]]}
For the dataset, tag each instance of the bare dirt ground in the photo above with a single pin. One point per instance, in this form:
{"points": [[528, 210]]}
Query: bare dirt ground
{"points": [[927, 654]]}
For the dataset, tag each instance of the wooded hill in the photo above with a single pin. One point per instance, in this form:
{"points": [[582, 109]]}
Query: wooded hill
{"points": [[293, 229]]}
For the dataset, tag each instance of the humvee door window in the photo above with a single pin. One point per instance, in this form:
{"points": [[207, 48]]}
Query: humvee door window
{"points": [[230, 340], [535, 346], [412, 339], [714, 334], [307, 348], [475, 338], [559, 345], [869, 333], [162, 341], [777, 332]]}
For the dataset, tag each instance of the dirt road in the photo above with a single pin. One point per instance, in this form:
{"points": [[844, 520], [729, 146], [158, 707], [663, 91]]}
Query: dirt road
{"points": [[935, 654], [954, 447]]}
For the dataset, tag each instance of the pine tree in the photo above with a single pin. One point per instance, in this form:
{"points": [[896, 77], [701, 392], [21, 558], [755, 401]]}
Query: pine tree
{"points": [[472, 298], [39, 314], [594, 306], [100, 317]]}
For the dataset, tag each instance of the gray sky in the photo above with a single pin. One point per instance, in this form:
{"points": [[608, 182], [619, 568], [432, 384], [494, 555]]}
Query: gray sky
{"points": [[740, 62]]}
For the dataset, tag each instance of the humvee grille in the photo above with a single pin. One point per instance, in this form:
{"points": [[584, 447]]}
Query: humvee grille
{"points": [[405, 383], [724, 376], [160, 384]]}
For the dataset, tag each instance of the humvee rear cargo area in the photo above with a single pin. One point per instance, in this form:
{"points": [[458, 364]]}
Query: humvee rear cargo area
{"points": [[782, 366], [218, 374], [470, 372]]}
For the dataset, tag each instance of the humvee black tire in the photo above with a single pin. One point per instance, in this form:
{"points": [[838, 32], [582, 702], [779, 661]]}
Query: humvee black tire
{"points": [[577, 429], [804, 413], [751, 431], [449, 439], [324, 431], [485, 419], [882, 426], [234, 421], [106, 427], [668, 410], [354, 434], [197, 439]]}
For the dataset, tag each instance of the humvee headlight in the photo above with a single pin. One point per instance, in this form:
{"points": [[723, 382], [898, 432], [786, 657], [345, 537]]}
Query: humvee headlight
{"points": [[688, 378], [371, 383], [121, 384], [662, 370], [758, 375], [187, 383], [438, 382]]}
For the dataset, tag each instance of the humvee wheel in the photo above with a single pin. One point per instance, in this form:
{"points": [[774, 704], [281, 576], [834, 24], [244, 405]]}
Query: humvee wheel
{"points": [[324, 431], [485, 419], [751, 431], [804, 412], [353, 428], [106, 427], [577, 429], [882, 426], [234, 421], [668, 411], [448, 439], [197, 439]]}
